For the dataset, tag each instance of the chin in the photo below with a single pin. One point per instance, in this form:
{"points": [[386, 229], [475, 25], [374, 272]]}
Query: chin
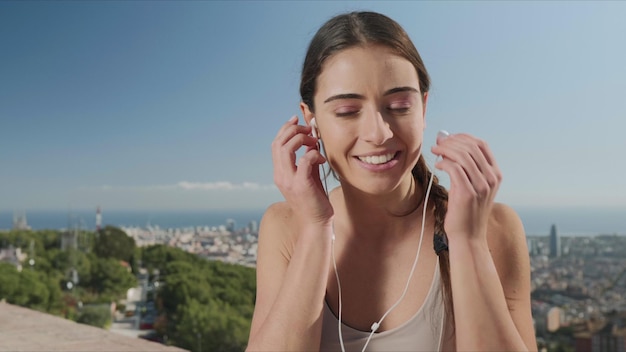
{"points": [[376, 188]]}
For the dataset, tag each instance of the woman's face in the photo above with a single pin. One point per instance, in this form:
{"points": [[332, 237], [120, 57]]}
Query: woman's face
{"points": [[370, 116]]}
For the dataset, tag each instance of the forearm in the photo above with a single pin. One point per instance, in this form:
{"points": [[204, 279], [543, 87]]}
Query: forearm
{"points": [[483, 321], [294, 320]]}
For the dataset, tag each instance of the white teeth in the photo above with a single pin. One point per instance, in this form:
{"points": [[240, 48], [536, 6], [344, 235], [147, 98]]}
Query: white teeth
{"points": [[377, 159]]}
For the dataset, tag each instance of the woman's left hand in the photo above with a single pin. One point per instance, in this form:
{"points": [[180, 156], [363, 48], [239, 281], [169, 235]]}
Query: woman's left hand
{"points": [[474, 181]]}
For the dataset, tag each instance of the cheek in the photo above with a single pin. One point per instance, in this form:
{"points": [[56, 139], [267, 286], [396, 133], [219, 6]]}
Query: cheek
{"points": [[332, 147], [410, 130], [335, 147]]}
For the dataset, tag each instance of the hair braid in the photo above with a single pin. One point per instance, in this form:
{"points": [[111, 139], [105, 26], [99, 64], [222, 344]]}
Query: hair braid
{"points": [[439, 198]]}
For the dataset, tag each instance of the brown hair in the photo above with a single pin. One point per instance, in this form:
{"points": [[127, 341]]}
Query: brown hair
{"points": [[361, 28]]}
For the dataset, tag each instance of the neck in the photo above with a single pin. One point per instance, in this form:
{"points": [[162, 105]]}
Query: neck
{"points": [[387, 215]]}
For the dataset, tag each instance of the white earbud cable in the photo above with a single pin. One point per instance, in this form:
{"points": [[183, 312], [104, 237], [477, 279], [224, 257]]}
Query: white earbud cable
{"points": [[376, 325]]}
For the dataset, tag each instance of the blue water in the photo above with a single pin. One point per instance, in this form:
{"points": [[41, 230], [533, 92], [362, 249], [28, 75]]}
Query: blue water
{"points": [[537, 221], [86, 219], [574, 220]]}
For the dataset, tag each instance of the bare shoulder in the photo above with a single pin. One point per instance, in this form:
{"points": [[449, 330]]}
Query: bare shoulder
{"points": [[507, 243], [276, 229], [505, 229], [277, 213], [273, 255]]}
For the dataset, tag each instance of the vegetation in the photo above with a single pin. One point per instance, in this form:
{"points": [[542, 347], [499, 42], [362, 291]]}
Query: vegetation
{"points": [[202, 305], [96, 315], [54, 280], [206, 305]]}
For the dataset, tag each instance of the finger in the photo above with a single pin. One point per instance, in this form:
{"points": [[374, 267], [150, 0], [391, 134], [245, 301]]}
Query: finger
{"points": [[317, 175], [288, 151], [477, 147], [288, 132], [483, 157], [463, 147], [484, 148], [308, 168], [460, 154], [291, 122], [464, 150], [458, 178], [299, 140], [284, 153]]}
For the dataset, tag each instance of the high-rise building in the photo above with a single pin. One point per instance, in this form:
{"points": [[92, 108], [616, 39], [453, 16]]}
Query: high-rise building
{"points": [[532, 246], [253, 226], [230, 225], [555, 243]]}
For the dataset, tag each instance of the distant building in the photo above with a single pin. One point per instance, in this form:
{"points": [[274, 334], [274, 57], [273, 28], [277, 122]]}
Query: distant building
{"points": [[13, 255], [553, 319], [555, 243], [533, 246], [610, 338], [253, 226], [19, 221], [230, 225]]}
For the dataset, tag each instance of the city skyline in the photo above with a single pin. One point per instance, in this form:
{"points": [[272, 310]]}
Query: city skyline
{"points": [[168, 105]]}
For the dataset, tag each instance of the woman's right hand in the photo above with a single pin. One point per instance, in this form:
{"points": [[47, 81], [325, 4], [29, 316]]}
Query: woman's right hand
{"points": [[300, 182]]}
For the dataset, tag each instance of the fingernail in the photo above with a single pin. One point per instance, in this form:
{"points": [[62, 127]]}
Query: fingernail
{"points": [[294, 118], [442, 134]]}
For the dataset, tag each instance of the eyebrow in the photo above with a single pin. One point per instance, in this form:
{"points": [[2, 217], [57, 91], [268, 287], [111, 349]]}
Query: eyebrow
{"points": [[362, 97]]}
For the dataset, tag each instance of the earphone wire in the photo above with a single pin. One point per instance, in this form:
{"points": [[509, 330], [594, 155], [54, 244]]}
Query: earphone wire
{"points": [[324, 176], [376, 325]]}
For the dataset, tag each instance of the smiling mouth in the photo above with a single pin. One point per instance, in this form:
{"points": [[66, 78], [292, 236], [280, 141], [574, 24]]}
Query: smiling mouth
{"points": [[378, 159]]}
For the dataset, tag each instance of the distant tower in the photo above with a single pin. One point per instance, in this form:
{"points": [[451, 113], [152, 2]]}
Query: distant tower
{"points": [[69, 239], [254, 227], [98, 219], [19, 221], [230, 225], [555, 243]]}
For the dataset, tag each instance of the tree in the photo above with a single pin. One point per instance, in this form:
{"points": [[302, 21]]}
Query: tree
{"points": [[9, 281], [31, 291], [26, 288], [110, 279], [158, 256], [95, 315], [182, 283], [112, 242], [214, 326], [72, 259]]}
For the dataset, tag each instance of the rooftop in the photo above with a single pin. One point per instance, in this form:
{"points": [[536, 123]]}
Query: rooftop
{"points": [[23, 329]]}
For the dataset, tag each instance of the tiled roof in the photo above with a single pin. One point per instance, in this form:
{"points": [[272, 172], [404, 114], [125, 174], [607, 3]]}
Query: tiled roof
{"points": [[23, 329]]}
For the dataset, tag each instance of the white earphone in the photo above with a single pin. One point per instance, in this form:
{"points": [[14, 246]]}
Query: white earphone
{"points": [[316, 134], [376, 324], [314, 128]]}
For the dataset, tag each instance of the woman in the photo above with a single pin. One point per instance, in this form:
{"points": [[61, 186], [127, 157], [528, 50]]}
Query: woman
{"points": [[338, 272]]}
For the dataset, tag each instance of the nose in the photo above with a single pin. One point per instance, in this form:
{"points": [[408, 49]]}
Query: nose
{"points": [[375, 129]]}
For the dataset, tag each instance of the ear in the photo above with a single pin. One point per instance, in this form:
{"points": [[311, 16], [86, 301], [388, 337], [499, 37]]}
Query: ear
{"points": [[306, 113]]}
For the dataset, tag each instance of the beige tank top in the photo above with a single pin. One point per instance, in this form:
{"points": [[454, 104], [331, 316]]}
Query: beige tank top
{"points": [[423, 332]]}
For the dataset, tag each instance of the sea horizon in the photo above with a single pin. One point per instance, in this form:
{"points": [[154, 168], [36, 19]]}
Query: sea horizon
{"points": [[570, 221]]}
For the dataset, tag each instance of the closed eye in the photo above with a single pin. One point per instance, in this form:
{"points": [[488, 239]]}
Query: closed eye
{"points": [[346, 112], [400, 109]]}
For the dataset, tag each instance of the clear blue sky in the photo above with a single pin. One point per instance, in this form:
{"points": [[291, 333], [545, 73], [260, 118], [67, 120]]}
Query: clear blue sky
{"points": [[173, 105]]}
